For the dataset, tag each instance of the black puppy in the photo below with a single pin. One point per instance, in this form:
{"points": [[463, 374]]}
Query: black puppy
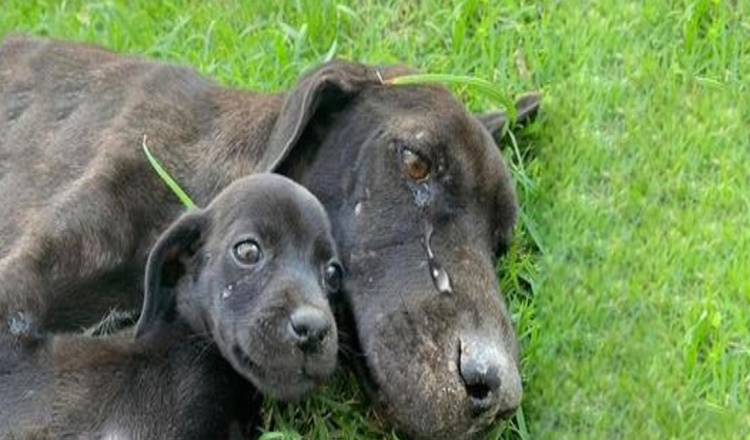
{"points": [[236, 292]]}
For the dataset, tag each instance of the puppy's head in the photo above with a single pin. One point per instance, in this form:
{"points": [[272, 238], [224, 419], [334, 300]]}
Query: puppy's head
{"points": [[252, 271]]}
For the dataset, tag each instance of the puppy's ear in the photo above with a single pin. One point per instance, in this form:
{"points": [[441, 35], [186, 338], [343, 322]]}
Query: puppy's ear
{"points": [[169, 261], [527, 107], [324, 89]]}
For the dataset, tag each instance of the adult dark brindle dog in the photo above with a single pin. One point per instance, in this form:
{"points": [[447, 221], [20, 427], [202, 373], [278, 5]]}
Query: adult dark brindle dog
{"points": [[420, 202]]}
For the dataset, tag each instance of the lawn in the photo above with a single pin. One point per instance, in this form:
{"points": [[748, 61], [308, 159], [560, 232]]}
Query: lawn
{"points": [[629, 279]]}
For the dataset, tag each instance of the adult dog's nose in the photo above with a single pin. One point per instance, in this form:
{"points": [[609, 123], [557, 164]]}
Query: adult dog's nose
{"points": [[491, 379], [309, 326], [482, 381]]}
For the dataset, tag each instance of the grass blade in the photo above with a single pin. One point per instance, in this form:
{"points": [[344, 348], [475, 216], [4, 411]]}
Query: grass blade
{"points": [[482, 85], [182, 195]]}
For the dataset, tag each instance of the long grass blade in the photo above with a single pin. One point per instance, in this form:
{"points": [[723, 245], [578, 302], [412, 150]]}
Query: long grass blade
{"points": [[182, 195], [482, 85]]}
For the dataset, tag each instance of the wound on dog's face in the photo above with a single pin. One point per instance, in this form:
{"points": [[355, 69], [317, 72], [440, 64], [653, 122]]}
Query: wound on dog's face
{"points": [[439, 275]]}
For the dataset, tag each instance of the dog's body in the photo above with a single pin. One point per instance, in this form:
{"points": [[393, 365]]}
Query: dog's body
{"points": [[235, 303], [173, 387], [419, 198], [26, 387]]}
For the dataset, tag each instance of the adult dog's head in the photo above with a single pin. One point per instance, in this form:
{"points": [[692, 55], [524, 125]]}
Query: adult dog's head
{"points": [[421, 205]]}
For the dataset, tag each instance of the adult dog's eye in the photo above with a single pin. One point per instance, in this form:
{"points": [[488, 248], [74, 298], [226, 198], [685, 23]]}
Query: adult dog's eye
{"points": [[333, 276], [247, 252], [415, 166]]}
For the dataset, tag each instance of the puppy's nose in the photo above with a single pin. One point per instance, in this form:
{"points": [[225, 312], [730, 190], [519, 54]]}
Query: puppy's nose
{"points": [[492, 382], [309, 326]]}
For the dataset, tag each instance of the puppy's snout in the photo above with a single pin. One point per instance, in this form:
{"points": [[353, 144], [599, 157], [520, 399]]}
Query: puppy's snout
{"points": [[308, 327], [491, 381]]}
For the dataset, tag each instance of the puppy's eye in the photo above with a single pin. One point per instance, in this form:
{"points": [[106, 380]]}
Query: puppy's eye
{"points": [[333, 276], [247, 252], [415, 166]]}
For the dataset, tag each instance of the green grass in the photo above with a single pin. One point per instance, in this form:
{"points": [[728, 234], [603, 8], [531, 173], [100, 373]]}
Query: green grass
{"points": [[629, 279]]}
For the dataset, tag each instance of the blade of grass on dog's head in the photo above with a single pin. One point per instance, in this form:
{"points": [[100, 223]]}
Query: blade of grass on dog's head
{"points": [[481, 85], [184, 198]]}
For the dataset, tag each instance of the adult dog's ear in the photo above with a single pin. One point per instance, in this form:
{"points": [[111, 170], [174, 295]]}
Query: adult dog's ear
{"points": [[527, 107], [326, 88], [169, 261]]}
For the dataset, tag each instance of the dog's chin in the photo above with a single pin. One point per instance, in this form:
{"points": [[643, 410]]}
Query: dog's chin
{"points": [[436, 405], [287, 391], [287, 381]]}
